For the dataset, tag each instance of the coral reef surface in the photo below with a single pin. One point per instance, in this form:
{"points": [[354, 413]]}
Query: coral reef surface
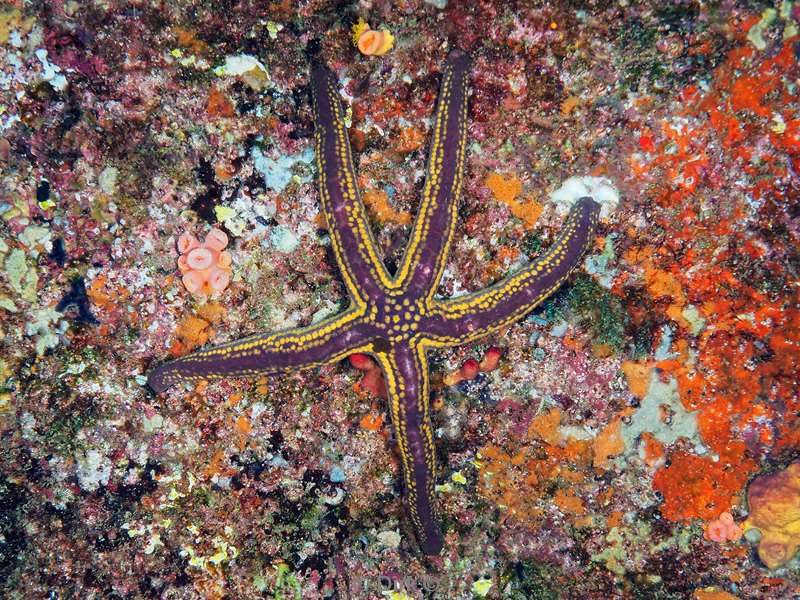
{"points": [[637, 436]]}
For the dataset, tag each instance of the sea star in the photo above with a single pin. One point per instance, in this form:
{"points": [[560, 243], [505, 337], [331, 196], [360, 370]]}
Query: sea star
{"points": [[396, 318]]}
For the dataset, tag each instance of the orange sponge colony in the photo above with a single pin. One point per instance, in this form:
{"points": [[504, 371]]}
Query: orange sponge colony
{"points": [[206, 267]]}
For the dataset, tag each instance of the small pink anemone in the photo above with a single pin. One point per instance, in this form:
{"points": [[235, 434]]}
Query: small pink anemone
{"points": [[723, 529]]}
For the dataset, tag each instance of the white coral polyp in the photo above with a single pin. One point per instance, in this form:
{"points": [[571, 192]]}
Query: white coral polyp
{"points": [[599, 188]]}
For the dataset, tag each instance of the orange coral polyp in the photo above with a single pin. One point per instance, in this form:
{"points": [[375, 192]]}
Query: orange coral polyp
{"points": [[470, 369], [200, 259], [723, 529], [218, 279], [225, 259], [369, 42], [216, 239], [193, 281], [183, 266], [362, 362], [716, 532], [375, 43], [187, 242], [490, 359]]}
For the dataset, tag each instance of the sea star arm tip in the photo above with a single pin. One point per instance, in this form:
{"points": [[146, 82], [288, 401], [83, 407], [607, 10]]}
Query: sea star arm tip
{"points": [[429, 241], [405, 370], [467, 318], [351, 237]]}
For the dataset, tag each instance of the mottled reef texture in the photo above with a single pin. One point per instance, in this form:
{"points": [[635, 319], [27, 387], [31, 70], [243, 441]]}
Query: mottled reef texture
{"points": [[637, 437]]}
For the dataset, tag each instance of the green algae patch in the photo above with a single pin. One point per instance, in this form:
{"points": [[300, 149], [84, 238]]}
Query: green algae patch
{"points": [[696, 321], [755, 35], [286, 584], [481, 587], [45, 328], [600, 265], [601, 308], [633, 545], [616, 553], [8, 304], [62, 434], [21, 276], [595, 307], [11, 20], [529, 579], [36, 234]]}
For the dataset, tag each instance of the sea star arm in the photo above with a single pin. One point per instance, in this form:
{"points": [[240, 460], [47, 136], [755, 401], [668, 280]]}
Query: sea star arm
{"points": [[351, 236], [466, 318], [405, 370], [324, 342], [424, 260]]}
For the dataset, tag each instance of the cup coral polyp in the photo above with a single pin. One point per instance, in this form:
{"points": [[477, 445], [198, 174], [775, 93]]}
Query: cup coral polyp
{"points": [[372, 42], [471, 367], [206, 267], [372, 381]]}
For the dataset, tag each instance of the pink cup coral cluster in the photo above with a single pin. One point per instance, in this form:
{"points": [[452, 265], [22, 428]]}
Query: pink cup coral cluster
{"points": [[723, 529], [206, 267]]}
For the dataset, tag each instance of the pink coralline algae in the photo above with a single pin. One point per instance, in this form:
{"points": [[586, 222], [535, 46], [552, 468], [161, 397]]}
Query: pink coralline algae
{"points": [[206, 267]]}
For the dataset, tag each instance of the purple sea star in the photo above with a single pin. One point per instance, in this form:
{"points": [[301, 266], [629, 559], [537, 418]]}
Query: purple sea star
{"points": [[397, 318]]}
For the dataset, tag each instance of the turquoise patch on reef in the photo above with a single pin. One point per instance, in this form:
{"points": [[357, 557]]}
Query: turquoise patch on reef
{"points": [[337, 475], [283, 240], [600, 264], [277, 172], [662, 399]]}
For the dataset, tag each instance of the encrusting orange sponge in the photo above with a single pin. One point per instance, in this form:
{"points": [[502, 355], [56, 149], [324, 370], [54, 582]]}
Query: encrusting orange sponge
{"points": [[371, 42], [206, 267]]}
